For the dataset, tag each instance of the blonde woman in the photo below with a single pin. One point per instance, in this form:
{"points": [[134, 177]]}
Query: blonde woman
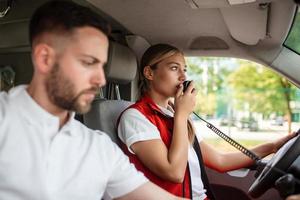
{"points": [[158, 136]]}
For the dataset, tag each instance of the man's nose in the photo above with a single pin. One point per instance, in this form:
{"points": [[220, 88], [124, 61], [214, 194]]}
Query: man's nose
{"points": [[99, 77]]}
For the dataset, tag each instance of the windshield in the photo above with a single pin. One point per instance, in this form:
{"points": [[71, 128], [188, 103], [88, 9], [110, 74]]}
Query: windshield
{"points": [[293, 40]]}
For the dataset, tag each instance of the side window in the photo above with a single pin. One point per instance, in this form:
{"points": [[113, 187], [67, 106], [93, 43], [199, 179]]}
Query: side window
{"points": [[247, 101], [7, 78]]}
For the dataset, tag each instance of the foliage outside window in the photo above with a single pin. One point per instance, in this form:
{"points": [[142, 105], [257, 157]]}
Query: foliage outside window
{"points": [[243, 94]]}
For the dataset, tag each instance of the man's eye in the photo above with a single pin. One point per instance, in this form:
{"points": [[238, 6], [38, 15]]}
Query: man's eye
{"points": [[87, 63]]}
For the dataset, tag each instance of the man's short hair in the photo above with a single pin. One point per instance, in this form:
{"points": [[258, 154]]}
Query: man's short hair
{"points": [[62, 17]]}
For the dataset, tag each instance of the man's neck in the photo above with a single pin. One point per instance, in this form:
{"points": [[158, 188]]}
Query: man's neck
{"points": [[41, 98]]}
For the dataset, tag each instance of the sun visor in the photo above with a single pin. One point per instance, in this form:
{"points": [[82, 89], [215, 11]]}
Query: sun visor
{"points": [[246, 24]]}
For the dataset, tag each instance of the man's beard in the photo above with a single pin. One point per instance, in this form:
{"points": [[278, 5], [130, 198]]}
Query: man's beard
{"points": [[62, 93]]}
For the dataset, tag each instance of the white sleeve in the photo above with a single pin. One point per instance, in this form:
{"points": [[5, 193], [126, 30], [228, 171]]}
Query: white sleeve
{"points": [[134, 127], [124, 178]]}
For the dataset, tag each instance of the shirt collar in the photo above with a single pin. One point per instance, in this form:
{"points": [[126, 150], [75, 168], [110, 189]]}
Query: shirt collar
{"points": [[156, 108], [166, 111], [150, 103], [34, 113]]}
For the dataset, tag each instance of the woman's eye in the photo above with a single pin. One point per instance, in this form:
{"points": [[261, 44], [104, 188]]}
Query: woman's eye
{"points": [[174, 67]]}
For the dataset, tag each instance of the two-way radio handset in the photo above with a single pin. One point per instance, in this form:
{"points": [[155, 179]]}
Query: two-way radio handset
{"points": [[186, 85], [225, 137]]}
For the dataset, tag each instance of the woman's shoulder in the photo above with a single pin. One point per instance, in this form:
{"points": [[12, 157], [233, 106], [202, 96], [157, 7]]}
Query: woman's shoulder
{"points": [[131, 113]]}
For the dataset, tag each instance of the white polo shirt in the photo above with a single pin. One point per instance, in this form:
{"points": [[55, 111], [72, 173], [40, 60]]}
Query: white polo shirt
{"points": [[40, 162], [134, 127]]}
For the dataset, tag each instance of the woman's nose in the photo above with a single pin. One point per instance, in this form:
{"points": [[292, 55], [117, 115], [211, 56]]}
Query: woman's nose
{"points": [[182, 75]]}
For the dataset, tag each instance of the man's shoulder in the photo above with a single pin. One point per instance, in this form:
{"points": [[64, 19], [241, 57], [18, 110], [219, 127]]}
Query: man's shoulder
{"points": [[3, 104], [86, 131], [3, 97], [7, 99], [101, 143]]}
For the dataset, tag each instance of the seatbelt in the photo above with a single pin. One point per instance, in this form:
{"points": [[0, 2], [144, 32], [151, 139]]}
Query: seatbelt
{"points": [[204, 178]]}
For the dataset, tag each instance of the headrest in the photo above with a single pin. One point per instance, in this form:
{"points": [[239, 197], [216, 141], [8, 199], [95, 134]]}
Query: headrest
{"points": [[122, 64]]}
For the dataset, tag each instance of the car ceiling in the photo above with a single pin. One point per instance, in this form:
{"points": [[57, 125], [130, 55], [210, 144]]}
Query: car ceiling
{"points": [[254, 31], [178, 23], [244, 28]]}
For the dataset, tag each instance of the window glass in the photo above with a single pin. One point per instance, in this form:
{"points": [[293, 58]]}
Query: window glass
{"points": [[247, 101], [7, 78], [293, 39]]}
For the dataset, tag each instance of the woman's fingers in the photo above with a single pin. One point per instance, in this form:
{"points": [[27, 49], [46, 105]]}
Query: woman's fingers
{"points": [[179, 91], [294, 197], [281, 141]]}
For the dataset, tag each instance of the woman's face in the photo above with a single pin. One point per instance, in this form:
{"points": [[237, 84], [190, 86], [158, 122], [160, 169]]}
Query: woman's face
{"points": [[168, 75]]}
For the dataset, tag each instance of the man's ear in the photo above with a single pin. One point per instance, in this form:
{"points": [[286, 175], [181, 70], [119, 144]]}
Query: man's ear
{"points": [[43, 57], [148, 72]]}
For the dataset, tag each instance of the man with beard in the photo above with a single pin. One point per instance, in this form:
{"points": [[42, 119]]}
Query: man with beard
{"points": [[44, 152]]}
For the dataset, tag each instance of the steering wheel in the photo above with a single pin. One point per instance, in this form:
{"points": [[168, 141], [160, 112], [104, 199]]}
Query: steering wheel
{"points": [[275, 168]]}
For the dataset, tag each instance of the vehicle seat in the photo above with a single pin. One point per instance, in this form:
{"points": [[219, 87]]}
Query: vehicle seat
{"points": [[120, 69]]}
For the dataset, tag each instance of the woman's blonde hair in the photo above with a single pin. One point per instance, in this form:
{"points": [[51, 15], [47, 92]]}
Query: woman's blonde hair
{"points": [[152, 56]]}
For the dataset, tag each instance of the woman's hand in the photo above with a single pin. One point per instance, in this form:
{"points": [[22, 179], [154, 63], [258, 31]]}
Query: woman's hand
{"points": [[293, 197], [185, 102], [277, 144]]}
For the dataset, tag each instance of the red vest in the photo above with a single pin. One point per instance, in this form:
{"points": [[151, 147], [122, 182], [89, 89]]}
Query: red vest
{"points": [[165, 125]]}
